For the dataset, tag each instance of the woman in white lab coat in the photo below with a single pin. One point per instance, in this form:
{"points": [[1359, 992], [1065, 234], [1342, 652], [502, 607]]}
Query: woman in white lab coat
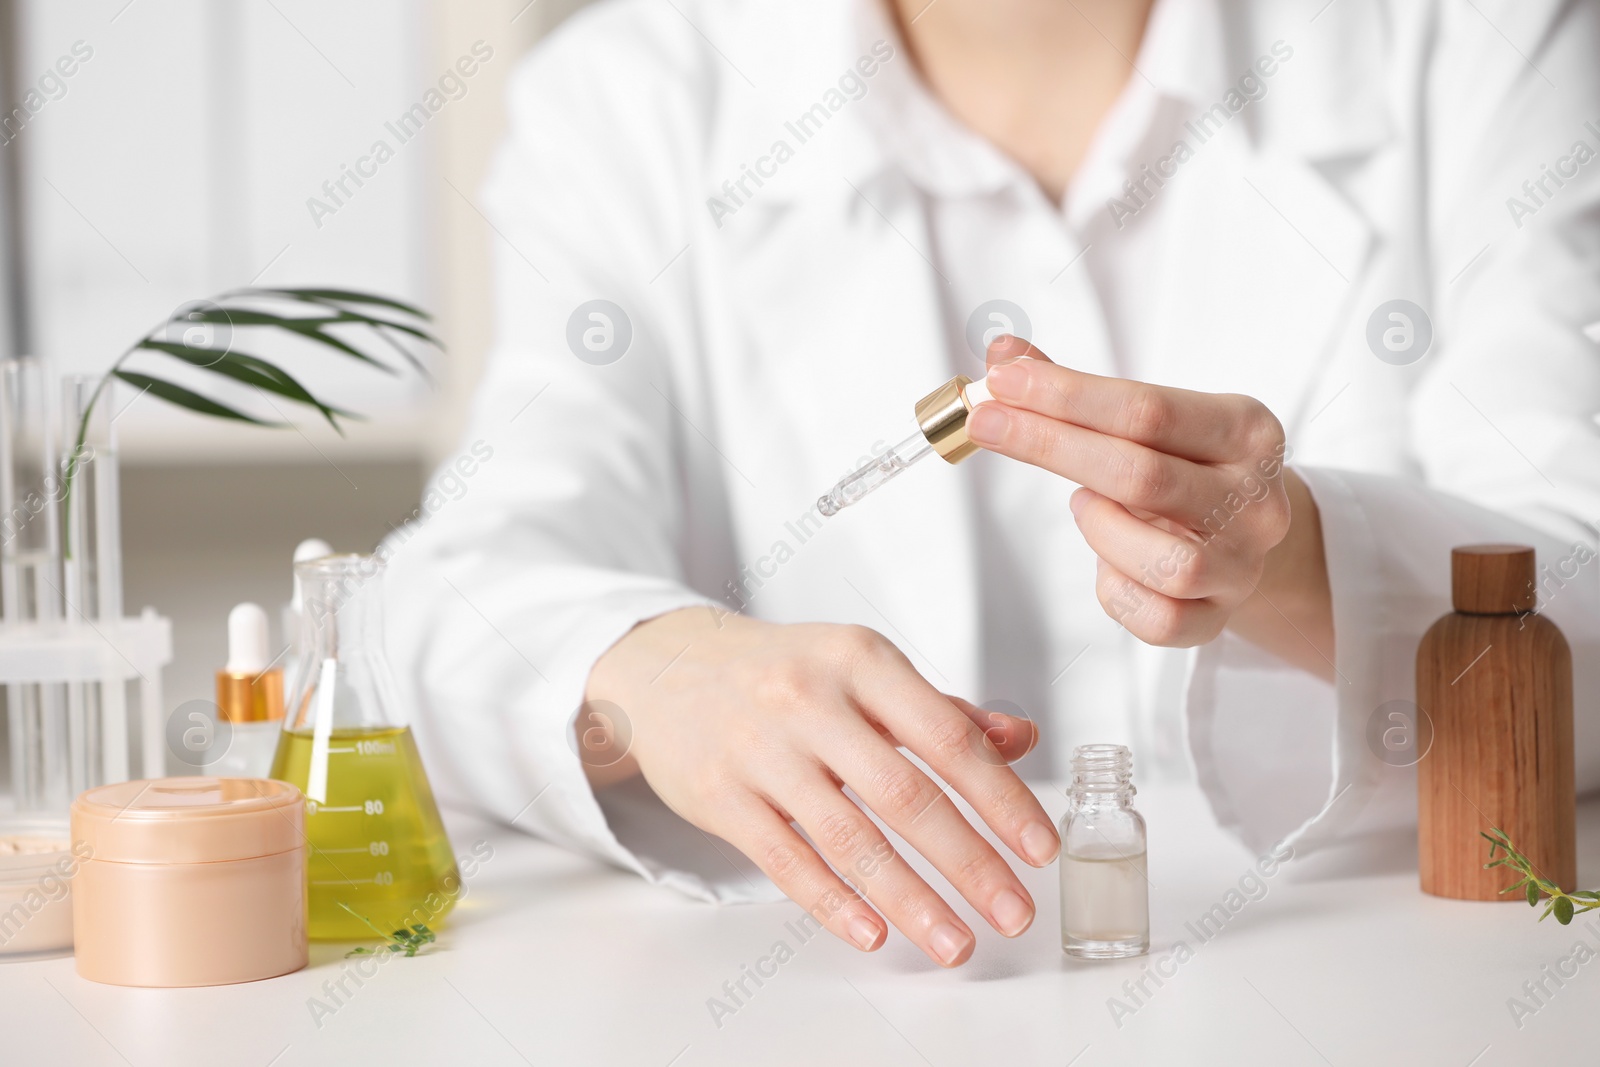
{"points": [[1349, 248]]}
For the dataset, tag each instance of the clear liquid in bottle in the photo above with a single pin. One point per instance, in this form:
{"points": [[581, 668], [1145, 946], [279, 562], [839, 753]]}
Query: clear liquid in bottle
{"points": [[1105, 894]]}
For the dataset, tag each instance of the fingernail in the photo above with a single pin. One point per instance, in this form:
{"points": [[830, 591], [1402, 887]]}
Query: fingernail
{"points": [[1039, 843], [864, 932], [1006, 376], [948, 943], [987, 424], [1002, 344], [1010, 912], [1076, 502]]}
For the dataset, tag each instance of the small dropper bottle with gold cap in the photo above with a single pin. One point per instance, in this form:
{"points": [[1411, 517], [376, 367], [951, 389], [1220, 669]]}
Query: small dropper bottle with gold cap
{"points": [[941, 426], [249, 697]]}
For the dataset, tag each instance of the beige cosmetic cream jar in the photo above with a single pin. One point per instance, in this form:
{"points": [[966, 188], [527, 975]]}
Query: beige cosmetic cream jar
{"points": [[189, 881]]}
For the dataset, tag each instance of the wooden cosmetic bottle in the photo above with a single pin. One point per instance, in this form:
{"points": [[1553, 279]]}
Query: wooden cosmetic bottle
{"points": [[1495, 679]]}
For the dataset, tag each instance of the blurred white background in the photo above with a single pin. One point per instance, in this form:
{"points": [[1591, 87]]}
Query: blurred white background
{"points": [[176, 161]]}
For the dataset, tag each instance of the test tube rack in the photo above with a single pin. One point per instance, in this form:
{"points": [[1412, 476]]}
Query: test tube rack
{"points": [[69, 658]]}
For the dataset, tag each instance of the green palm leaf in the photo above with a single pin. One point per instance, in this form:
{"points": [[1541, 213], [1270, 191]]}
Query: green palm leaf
{"points": [[372, 320], [309, 328], [405, 353], [345, 296], [185, 398], [329, 308], [253, 372]]}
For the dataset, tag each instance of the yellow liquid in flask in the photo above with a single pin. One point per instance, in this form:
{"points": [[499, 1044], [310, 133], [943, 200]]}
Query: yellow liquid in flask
{"points": [[377, 843]]}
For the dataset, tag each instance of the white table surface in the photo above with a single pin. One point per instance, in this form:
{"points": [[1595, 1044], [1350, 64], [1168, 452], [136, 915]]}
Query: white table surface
{"points": [[554, 959]]}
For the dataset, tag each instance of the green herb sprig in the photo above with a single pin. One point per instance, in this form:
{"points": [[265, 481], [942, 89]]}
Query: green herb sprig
{"points": [[1561, 904], [407, 942]]}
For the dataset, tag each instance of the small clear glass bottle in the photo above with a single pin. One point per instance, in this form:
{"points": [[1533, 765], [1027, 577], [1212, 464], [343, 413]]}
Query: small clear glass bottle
{"points": [[1105, 895]]}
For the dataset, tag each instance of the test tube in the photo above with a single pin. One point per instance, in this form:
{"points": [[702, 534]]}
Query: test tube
{"points": [[98, 711], [30, 579]]}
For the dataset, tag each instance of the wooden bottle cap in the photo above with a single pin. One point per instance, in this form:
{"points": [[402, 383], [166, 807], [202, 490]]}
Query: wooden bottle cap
{"points": [[1492, 579]]}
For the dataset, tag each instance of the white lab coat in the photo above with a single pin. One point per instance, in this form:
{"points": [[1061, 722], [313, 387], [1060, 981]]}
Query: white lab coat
{"points": [[767, 350]]}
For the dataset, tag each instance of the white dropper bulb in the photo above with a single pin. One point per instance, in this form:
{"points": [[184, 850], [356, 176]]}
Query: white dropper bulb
{"points": [[977, 392], [310, 548], [247, 639]]}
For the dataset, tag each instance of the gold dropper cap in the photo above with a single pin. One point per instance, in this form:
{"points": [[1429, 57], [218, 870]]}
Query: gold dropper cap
{"points": [[246, 697], [942, 415]]}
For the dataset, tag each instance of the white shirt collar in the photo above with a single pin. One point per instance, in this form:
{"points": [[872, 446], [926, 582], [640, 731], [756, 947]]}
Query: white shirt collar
{"points": [[916, 132], [1181, 58], [1328, 103]]}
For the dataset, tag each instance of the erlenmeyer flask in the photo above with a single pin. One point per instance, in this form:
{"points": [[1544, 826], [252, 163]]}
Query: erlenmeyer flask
{"points": [[378, 846]]}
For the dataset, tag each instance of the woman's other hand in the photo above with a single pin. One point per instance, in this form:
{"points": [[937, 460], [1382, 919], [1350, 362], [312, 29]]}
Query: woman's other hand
{"points": [[751, 729]]}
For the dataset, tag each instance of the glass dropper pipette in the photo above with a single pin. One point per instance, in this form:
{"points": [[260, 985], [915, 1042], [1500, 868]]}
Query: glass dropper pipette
{"points": [[859, 483], [941, 426]]}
